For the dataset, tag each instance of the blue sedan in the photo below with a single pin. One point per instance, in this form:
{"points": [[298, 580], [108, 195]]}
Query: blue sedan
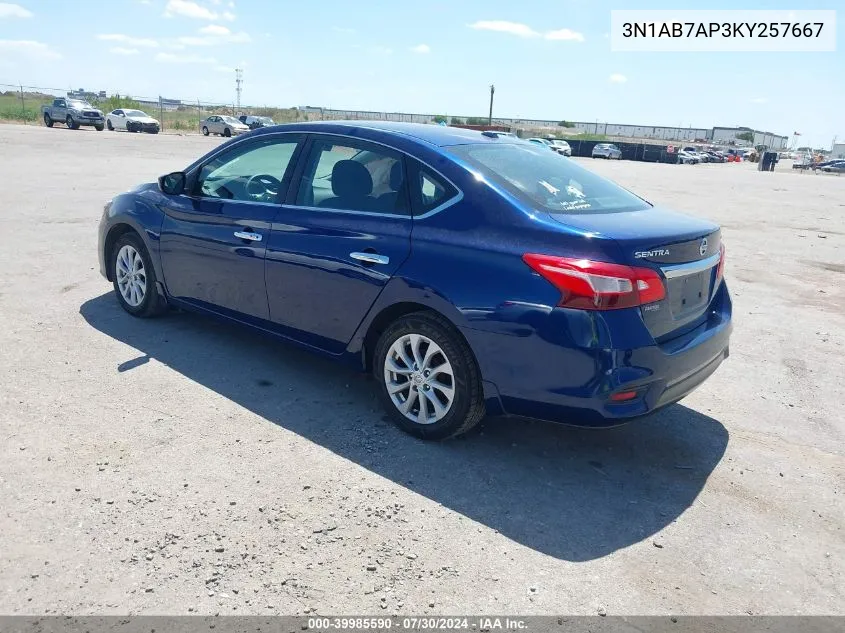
{"points": [[473, 274]]}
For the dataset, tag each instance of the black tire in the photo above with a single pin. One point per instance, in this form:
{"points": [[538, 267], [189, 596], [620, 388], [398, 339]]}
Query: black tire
{"points": [[109, 125], [227, 132], [153, 304], [70, 124], [47, 120], [467, 408], [130, 127], [204, 131], [99, 128]]}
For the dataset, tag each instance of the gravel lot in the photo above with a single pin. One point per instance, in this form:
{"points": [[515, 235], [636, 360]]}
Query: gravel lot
{"points": [[179, 465]]}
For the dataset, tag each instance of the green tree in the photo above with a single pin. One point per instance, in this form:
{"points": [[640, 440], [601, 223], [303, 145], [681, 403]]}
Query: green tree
{"points": [[746, 136], [566, 124], [476, 120], [439, 118], [456, 121], [116, 101]]}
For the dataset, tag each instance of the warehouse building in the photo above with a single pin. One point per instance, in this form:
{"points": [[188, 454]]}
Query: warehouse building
{"points": [[837, 150]]}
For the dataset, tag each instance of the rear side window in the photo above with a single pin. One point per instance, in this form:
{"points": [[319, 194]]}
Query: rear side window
{"points": [[353, 176], [545, 179], [429, 190]]}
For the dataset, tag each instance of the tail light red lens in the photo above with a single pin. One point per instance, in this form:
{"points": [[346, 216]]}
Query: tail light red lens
{"points": [[720, 269], [590, 285]]}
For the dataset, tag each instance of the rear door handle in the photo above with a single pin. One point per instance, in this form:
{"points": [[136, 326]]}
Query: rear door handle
{"points": [[370, 258], [246, 235]]}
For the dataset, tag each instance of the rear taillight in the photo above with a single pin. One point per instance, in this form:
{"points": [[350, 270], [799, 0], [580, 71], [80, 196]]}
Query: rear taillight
{"points": [[590, 285], [720, 269]]}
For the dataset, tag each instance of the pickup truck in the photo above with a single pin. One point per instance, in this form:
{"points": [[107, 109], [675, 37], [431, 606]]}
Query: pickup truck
{"points": [[73, 113]]}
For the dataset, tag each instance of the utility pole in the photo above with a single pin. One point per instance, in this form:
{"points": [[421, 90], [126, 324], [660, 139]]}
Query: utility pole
{"points": [[239, 80], [492, 91], [23, 108]]}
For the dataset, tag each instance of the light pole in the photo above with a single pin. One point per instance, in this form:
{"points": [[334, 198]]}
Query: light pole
{"points": [[490, 117]]}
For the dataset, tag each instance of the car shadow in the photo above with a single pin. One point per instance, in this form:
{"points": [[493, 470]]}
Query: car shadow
{"points": [[575, 494]]}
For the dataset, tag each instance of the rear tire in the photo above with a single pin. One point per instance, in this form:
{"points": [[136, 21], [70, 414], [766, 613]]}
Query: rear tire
{"points": [[435, 370], [47, 120], [204, 131], [227, 132], [99, 128], [134, 277], [109, 125]]}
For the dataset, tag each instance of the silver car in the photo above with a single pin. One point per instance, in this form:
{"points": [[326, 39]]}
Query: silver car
{"points": [[223, 125], [607, 150]]}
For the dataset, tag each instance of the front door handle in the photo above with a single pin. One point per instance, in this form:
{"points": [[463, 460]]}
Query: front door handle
{"points": [[370, 258], [246, 235]]}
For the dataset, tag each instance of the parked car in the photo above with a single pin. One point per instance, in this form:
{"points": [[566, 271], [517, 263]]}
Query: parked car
{"points": [[834, 167], [606, 150], [572, 300], [541, 141], [715, 157], [132, 121], [703, 157], [561, 147], [255, 122], [73, 113], [687, 158], [223, 125]]}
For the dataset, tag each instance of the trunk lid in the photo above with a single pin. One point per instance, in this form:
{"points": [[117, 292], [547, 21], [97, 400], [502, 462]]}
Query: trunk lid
{"points": [[684, 249]]}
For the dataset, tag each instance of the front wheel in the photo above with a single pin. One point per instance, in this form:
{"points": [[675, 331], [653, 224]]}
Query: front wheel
{"points": [[47, 120], [204, 131], [99, 128], [134, 277], [109, 125], [227, 132], [428, 379], [70, 124]]}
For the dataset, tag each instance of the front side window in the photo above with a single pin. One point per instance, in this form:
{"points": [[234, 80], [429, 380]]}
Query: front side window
{"points": [[252, 172], [349, 176], [545, 179]]}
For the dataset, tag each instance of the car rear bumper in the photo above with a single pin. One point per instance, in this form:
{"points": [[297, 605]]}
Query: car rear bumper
{"points": [[567, 366]]}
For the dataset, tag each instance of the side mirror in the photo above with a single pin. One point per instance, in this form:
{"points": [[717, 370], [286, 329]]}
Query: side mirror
{"points": [[172, 184]]}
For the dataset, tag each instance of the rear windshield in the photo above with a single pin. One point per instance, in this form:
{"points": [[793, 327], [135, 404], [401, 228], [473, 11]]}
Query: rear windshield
{"points": [[542, 178]]}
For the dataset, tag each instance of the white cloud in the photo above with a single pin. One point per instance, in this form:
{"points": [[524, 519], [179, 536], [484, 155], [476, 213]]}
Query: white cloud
{"points": [[120, 50], [421, 48], [224, 69], [216, 2], [228, 15], [231, 4], [143, 42], [502, 26], [188, 9], [760, 100], [170, 58], [565, 35], [8, 10], [215, 29], [28, 49], [616, 78]]}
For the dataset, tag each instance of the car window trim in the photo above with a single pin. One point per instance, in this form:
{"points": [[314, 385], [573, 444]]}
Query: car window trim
{"points": [[192, 176], [290, 200]]}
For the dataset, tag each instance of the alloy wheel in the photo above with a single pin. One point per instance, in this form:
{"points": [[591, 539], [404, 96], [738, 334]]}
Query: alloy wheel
{"points": [[419, 379], [131, 275]]}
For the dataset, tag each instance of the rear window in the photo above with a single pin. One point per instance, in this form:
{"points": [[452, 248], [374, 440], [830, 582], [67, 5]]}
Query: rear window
{"points": [[546, 179]]}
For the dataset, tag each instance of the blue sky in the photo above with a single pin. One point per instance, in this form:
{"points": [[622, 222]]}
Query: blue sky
{"points": [[548, 59]]}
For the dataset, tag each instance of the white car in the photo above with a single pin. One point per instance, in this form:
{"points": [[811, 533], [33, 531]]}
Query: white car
{"points": [[561, 146], [132, 121]]}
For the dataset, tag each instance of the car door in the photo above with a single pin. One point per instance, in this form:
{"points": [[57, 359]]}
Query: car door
{"points": [[213, 239], [338, 239], [118, 120]]}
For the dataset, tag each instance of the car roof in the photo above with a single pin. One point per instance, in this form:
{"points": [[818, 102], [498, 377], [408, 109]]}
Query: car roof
{"points": [[439, 135]]}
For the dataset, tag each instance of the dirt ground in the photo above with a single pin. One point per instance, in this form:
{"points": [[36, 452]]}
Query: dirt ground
{"points": [[178, 465]]}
